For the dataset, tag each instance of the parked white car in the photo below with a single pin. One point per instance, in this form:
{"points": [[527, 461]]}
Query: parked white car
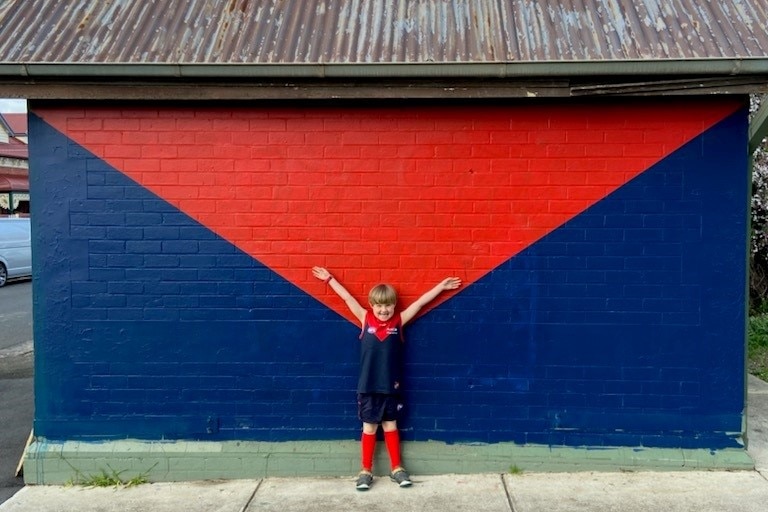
{"points": [[15, 249]]}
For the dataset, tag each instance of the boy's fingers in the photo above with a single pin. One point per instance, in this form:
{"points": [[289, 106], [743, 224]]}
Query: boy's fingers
{"points": [[320, 272], [452, 283]]}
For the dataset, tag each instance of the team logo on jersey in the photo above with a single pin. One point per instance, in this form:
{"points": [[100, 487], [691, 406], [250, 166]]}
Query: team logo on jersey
{"points": [[382, 330]]}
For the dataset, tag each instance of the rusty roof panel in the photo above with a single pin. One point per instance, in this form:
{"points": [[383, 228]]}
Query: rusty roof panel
{"points": [[378, 31]]}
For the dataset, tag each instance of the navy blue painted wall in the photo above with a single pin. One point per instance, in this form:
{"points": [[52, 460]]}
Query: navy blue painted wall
{"points": [[623, 327]]}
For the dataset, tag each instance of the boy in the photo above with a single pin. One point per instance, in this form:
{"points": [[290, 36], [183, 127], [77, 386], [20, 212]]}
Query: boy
{"points": [[378, 386]]}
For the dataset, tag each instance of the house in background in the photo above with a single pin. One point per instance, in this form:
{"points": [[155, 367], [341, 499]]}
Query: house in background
{"points": [[582, 166], [14, 165]]}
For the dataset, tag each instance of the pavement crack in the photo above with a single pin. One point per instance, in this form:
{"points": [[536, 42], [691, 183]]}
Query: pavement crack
{"points": [[253, 495], [506, 491]]}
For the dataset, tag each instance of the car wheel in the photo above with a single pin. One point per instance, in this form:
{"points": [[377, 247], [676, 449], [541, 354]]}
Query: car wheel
{"points": [[3, 275]]}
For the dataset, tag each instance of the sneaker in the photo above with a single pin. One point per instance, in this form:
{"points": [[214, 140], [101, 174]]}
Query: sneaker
{"points": [[400, 476], [364, 481]]}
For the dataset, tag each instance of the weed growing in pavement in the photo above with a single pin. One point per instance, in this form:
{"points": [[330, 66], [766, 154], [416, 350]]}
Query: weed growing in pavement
{"points": [[111, 478]]}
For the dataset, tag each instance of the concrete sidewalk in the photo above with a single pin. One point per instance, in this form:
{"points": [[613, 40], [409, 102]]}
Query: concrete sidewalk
{"points": [[669, 492], [554, 492]]}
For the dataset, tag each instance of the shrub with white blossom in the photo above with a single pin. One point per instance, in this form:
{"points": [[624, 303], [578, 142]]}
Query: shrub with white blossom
{"points": [[758, 262]]}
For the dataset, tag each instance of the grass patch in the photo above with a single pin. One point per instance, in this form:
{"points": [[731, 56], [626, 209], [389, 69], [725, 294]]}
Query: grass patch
{"points": [[111, 478], [757, 346], [515, 470]]}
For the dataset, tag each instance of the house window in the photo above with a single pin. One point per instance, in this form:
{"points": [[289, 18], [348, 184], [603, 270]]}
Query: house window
{"points": [[14, 204]]}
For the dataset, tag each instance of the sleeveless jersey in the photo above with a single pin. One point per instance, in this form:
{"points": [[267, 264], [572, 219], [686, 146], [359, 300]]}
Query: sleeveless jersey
{"points": [[381, 352]]}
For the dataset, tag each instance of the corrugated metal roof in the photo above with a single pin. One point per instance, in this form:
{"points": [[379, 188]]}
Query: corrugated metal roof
{"points": [[15, 122], [378, 31], [14, 148], [11, 180]]}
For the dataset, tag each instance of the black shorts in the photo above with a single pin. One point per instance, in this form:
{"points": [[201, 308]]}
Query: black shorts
{"points": [[375, 408]]}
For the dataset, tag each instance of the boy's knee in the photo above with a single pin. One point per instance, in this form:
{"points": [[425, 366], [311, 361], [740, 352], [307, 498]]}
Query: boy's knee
{"points": [[370, 428], [389, 426]]}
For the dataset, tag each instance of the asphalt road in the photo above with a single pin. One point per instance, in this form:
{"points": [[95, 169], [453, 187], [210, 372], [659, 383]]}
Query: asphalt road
{"points": [[16, 370]]}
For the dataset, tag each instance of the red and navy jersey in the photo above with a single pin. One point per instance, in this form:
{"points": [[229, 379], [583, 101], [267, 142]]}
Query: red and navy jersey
{"points": [[381, 355]]}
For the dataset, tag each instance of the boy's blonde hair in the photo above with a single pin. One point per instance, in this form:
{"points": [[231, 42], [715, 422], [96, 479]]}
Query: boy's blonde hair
{"points": [[382, 294]]}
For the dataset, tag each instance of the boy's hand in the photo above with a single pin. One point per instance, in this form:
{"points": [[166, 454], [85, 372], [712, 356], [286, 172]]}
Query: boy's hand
{"points": [[320, 273], [354, 306], [450, 283]]}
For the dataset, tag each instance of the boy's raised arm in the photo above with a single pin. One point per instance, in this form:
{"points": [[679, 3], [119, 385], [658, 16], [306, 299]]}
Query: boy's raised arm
{"points": [[449, 283], [354, 306]]}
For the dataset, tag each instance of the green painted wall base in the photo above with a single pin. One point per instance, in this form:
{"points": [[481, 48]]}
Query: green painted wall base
{"points": [[49, 462]]}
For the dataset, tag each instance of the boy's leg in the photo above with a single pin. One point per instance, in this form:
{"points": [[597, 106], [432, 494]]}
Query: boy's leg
{"points": [[392, 440], [368, 445]]}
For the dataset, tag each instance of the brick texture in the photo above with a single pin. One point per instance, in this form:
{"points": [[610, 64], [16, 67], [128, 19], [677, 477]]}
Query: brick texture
{"points": [[388, 183], [601, 248]]}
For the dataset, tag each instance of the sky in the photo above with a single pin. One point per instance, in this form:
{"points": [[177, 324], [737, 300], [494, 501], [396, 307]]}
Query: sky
{"points": [[8, 106]]}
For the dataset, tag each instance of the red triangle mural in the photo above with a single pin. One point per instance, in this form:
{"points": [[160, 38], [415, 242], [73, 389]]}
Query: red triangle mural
{"points": [[405, 195]]}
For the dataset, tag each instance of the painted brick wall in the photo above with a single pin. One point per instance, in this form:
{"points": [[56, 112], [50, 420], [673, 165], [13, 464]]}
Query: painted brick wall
{"points": [[602, 246]]}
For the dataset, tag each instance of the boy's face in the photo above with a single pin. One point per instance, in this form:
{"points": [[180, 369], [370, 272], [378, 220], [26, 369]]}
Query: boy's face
{"points": [[383, 312]]}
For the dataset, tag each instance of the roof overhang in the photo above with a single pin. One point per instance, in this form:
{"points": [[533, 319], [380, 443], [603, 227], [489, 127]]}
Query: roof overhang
{"points": [[673, 67], [324, 81], [11, 180], [228, 81]]}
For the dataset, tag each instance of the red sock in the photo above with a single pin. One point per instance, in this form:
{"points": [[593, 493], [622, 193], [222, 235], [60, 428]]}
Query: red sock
{"points": [[392, 439], [368, 442]]}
